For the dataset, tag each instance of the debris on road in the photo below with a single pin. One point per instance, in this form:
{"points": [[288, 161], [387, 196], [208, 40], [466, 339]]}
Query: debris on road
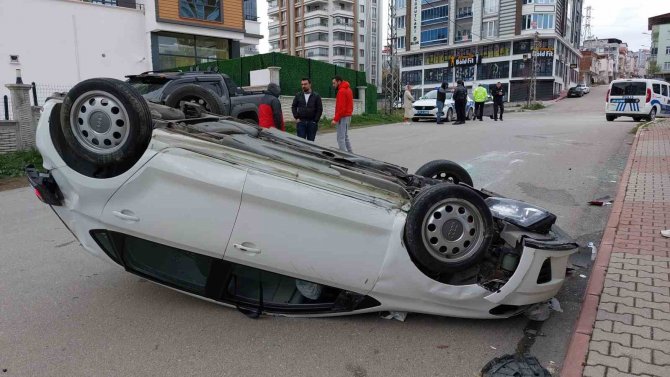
{"points": [[493, 348], [442, 347], [665, 233], [399, 316], [604, 201], [541, 311], [515, 365], [594, 251], [582, 276]]}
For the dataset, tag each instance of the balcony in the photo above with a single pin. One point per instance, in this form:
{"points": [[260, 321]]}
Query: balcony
{"points": [[252, 27], [463, 15], [133, 4]]}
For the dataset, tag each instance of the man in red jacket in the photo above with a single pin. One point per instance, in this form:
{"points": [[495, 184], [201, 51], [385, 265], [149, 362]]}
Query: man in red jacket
{"points": [[344, 107], [269, 109]]}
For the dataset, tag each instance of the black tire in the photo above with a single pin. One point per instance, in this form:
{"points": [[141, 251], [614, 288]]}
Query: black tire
{"points": [[106, 122], [205, 97], [450, 115], [445, 170], [637, 119], [610, 118], [471, 114], [652, 114], [415, 119], [449, 228]]}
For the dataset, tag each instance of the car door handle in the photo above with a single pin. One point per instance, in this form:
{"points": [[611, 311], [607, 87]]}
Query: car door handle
{"points": [[246, 248], [126, 215]]}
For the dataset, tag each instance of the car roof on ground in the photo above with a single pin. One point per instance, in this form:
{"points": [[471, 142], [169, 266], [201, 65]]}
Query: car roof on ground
{"points": [[175, 74]]}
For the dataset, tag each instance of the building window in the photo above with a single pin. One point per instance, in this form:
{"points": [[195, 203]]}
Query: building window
{"points": [[412, 60], [374, 26], [374, 12], [400, 42], [316, 22], [666, 66], [495, 50], [525, 46], [400, 3], [362, 24], [343, 51], [464, 12], [342, 36], [463, 35], [537, 21], [362, 8], [361, 53], [183, 50], [490, 7], [434, 15], [274, 30], [298, 41], [489, 29], [361, 67], [437, 57], [411, 77], [465, 73], [667, 50], [208, 10], [400, 22], [491, 71], [313, 37], [319, 51], [362, 38], [539, 1], [435, 36], [250, 12], [438, 75]]}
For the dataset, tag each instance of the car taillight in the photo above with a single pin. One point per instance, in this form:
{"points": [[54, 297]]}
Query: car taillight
{"points": [[607, 98], [38, 195], [648, 95]]}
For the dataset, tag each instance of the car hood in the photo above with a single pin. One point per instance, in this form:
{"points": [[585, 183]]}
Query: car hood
{"points": [[425, 102]]}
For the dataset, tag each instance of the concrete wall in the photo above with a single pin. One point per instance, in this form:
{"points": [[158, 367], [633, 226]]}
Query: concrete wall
{"points": [[328, 107], [8, 131], [62, 42]]}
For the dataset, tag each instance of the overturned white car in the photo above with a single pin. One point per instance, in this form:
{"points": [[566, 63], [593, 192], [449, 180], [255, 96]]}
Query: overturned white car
{"points": [[269, 223]]}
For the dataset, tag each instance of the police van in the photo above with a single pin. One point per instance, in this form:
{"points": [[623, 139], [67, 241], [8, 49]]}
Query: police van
{"points": [[638, 98]]}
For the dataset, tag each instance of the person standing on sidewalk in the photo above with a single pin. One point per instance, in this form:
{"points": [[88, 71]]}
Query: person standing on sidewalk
{"points": [[460, 101], [480, 95], [269, 109], [407, 101], [498, 101], [344, 107], [307, 109], [441, 97]]}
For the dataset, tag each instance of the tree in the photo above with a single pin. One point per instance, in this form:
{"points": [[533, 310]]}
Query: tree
{"points": [[653, 69]]}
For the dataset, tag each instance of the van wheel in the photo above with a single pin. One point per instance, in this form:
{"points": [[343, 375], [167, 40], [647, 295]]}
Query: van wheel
{"points": [[450, 115], [610, 118], [197, 94], [652, 114], [637, 119], [449, 228], [445, 170], [106, 122]]}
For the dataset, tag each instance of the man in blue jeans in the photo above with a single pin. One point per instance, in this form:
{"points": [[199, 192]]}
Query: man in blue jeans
{"points": [[307, 109]]}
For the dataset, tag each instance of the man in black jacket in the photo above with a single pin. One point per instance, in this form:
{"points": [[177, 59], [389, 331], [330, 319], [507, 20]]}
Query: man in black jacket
{"points": [[498, 101], [460, 100], [307, 109]]}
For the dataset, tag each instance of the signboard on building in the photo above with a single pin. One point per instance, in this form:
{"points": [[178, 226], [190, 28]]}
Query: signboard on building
{"points": [[415, 27], [544, 52], [464, 60]]}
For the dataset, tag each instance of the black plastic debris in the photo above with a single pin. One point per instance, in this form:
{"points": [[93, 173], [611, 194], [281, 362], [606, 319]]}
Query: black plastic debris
{"points": [[516, 366], [604, 201]]}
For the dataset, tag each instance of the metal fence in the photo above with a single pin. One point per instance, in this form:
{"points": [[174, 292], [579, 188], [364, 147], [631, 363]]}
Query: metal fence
{"points": [[41, 92]]}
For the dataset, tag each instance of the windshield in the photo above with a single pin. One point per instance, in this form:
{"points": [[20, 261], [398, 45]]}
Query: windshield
{"points": [[629, 89], [150, 87], [431, 95]]}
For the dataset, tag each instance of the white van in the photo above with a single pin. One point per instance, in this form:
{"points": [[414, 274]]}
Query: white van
{"points": [[638, 98]]}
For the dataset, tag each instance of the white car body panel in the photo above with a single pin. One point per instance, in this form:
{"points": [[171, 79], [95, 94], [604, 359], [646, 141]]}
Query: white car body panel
{"points": [[637, 105], [207, 198]]}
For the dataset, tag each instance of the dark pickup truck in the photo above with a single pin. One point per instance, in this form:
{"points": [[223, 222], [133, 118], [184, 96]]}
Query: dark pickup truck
{"points": [[216, 92]]}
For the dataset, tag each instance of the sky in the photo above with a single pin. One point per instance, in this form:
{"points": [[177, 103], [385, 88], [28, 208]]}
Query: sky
{"points": [[627, 20]]}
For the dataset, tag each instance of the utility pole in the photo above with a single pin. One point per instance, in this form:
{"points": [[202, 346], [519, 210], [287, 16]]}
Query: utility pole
{"points": [[588, 33], [533, 73], [392, 84]]}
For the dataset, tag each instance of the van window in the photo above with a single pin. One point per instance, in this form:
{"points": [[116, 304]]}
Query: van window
{"points": [[629, 89], [665, 90], [657, 88]]}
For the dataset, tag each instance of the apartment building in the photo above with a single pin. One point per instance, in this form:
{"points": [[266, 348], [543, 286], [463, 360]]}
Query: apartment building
{"points": [[66, 41], [487, 41], [342, 32], [660, 45], [614, 48]]}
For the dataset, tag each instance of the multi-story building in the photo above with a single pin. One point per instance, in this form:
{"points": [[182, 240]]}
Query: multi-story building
{"points": [[487, 41], [69, 40], [342, 32], [642, 59], [660, 45], [612, 47]]}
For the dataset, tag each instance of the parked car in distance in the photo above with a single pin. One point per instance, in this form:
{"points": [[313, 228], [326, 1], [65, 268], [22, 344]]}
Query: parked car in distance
{"points": [[266, 222], [586, 89], [216, 92], [575, 91]]}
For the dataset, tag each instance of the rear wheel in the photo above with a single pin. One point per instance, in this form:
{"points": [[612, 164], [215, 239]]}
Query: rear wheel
{"points": [[610, 118], [204, 97], [471, 114], [449, 228], [652, 114], [637, 119], [450, 115], [445, 170], [106, 122]]}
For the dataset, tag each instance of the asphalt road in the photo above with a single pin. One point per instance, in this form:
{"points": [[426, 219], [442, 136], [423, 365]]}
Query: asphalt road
{"points": [[65, 313]]}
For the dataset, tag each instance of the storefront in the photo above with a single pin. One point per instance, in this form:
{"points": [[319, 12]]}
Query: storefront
{"points": [[173, 50]]}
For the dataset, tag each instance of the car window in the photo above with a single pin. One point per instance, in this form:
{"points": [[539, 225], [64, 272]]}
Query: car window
{"points": [[657, 88], [665, 90], [431, 95], [450, 95], [212, 85], [150, 87], [232, 86], [629, 89]]}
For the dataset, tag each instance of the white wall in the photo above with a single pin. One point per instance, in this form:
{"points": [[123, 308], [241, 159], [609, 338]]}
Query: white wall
{"points": [[61, 42]]}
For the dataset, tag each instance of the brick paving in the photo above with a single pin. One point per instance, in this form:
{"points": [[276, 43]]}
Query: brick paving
{"points": [[629, 289]]}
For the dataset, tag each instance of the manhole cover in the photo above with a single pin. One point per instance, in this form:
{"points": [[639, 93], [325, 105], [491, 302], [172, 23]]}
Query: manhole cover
{"points": [[515, 366]]}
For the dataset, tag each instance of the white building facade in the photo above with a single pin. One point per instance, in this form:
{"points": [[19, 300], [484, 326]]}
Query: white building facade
{"points": [[490, 41], [346, 33], [67, 41]]}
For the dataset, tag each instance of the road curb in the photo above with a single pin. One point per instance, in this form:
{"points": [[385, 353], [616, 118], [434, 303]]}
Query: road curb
{"points": [[578, 348]]}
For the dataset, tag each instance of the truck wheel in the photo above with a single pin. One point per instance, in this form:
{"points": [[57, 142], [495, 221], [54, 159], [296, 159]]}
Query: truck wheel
{"points": [[196, 94], [449, 228], [106, 122], [445, 170]]}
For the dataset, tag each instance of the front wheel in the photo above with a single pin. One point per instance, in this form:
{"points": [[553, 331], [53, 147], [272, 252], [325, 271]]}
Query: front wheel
{"points": [[471, 114], [449, 228], [445, 170], [637, 119], [415, 119], [652, 114], [610, 118], [450, 115]]}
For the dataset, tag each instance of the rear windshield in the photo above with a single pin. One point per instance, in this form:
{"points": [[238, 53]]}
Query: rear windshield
{"points": [[629, 89], [146, 85]]}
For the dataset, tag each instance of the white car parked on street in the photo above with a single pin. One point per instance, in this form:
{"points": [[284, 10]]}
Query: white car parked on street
{"points": [[266, 222]]}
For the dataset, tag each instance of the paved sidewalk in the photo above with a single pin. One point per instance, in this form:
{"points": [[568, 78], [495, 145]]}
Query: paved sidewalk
{"points": [[624, 326]]}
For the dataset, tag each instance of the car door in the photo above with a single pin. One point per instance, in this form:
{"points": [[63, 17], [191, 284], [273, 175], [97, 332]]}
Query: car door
{"points": [[309, 232], [181, 199]]}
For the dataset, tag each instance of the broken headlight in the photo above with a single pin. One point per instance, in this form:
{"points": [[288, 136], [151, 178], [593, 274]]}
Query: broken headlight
{"points": [[521, 214]]}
